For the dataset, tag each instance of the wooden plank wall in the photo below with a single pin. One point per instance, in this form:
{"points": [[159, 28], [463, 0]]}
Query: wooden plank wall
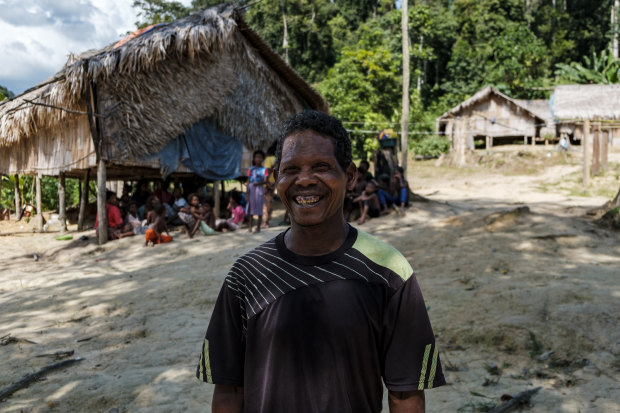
{"points": [[69, 148]]}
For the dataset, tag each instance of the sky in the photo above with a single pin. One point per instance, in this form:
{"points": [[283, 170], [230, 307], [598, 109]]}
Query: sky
{"points": [[37, 36]]}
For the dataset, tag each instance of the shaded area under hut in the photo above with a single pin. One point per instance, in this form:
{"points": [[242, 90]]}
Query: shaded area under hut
{"points": [[186, 98]]}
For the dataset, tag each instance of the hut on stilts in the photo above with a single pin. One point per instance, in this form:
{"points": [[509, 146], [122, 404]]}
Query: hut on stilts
{"points": [[174, 99]]}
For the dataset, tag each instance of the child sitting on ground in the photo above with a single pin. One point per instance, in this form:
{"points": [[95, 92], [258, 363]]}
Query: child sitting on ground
{"points": [[368, 203], [155, 233], [237, 214], [133, 219]]}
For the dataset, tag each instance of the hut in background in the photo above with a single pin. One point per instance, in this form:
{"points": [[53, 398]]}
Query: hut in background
{"points": [[177, 98], [489, 116], [589, 115]]}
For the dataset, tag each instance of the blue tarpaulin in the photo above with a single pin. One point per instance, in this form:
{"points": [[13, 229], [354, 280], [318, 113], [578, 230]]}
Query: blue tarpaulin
{"points": [[205, 151]]}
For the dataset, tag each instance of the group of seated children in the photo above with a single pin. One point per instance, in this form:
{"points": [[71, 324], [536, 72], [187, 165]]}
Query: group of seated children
{"points": [[158, 211], [371, 197]]}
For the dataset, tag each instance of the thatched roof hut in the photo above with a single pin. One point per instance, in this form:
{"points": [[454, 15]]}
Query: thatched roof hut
{"points": [[489, 114], [134, 98], [576, 103]]}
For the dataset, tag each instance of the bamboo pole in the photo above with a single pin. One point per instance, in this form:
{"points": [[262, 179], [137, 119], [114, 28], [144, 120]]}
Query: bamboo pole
{"points": [[101, 198], [62, 204], [18, 199], [586, 153], [39, 220], [83, 200]]}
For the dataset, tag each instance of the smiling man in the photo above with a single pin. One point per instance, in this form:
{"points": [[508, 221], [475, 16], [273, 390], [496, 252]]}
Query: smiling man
{"points": [[314, 319]]}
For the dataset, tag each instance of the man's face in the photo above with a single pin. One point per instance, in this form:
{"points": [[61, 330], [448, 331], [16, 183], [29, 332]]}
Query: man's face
{"points": [[311, 182]]}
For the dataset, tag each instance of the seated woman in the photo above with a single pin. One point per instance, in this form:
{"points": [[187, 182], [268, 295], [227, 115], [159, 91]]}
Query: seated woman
{"points": [[155, 233], [116, 229], [196, 216], [237, 214]]}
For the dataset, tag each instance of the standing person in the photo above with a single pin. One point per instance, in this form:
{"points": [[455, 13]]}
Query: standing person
{"points": [[270, 190], [315, 318], [257, 174]]}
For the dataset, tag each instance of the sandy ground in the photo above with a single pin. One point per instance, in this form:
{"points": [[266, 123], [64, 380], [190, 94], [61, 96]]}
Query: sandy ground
{"points": [[511, 266]]}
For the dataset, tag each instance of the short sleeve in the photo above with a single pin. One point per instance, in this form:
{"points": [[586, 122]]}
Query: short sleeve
{"points": [[223, 352], [411, 359]]}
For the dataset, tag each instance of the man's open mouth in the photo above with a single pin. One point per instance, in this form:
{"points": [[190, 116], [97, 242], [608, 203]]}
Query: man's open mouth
{"points": [[307, 200]]}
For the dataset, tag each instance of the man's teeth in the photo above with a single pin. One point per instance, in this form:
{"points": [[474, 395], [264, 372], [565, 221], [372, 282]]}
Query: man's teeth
{"points": [[306, 200]]}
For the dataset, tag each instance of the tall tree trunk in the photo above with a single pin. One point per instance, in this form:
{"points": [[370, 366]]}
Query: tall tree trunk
{"points": [[404, 128], [614, 28], [285, 35]]}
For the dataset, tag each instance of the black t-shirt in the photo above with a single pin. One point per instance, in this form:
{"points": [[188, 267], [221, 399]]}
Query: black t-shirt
{"points": [[317, 334]]}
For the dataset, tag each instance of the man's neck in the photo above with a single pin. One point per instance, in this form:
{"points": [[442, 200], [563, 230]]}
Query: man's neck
{"points": [[316, 240]]}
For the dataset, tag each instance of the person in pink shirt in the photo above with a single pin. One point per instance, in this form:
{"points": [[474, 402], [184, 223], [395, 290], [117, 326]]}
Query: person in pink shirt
{"points": [[237, 214]]}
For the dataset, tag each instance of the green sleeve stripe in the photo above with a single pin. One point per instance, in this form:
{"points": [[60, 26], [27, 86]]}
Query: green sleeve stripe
{"points": [[427, 351], [431, 376], [382, 254], [205, 364]]}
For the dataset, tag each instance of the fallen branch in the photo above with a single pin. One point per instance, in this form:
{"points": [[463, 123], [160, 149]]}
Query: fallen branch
{"points": [[58, 355], [6, 392], [516, 401]]}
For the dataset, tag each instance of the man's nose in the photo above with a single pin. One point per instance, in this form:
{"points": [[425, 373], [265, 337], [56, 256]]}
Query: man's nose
{"points": [[306, 177]]}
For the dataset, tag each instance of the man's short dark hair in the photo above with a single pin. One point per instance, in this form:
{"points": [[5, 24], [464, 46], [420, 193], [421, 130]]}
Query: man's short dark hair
{"points": [[109, 194], [322, 124]]}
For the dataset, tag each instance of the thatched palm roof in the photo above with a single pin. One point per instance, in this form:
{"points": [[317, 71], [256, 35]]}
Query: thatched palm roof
{"points": [[580, 102], [156, 85], [482, 95]]}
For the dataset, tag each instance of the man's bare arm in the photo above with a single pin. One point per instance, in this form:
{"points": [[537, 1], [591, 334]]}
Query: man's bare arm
{"points": [[406, 401], [227, 399]]}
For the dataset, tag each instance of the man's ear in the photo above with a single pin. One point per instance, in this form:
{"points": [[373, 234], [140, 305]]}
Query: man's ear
{"points": [[351, 176]]}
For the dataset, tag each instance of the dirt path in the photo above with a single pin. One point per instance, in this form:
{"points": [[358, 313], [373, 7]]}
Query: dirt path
{"points": [[510, 266]]}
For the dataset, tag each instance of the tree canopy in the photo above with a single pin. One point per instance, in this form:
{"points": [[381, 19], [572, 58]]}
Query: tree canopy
{"points": [[350, 50]]}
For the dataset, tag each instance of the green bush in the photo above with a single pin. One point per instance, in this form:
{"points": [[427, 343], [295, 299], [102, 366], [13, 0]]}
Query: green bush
{"points": [[430, 146]]}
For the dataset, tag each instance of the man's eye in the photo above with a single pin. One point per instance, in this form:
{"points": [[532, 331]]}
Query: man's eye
{"points": [[322, 167]]}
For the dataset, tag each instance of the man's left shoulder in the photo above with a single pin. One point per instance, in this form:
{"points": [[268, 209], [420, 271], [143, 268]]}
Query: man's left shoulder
{"points": [[382, 254]]}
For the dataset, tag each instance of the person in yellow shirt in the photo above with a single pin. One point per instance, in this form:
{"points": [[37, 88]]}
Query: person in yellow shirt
{"points": [[270, 188]]}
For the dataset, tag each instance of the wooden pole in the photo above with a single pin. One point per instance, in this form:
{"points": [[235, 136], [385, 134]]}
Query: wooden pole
{"points": [[216, 199], [101, 209], [586, 153], [62, 205], [83, 200], [18, 199], [596, 150], [605, 149], [404, 127], [39, 220]]}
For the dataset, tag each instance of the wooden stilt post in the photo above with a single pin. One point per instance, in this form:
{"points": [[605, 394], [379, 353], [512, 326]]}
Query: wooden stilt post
{"points": [[216, 199], [101, 209], [586, 153], [39, 220], [596, 150], [18, 199], [83, 200], [62, 204], [605, 148]]}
